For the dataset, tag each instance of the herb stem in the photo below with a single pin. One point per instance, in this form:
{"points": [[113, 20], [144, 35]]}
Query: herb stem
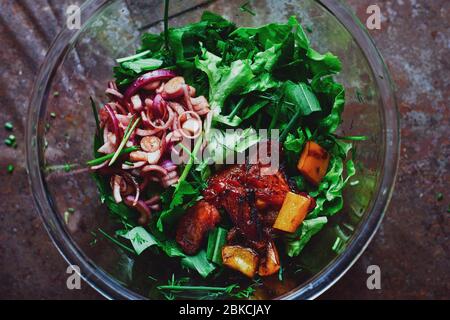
{"points": [[193, 288], [190, 163], [126, 136], [116, 242], [290, 125], [97, 161], [94, 111], [166, 23], [236, 108]]}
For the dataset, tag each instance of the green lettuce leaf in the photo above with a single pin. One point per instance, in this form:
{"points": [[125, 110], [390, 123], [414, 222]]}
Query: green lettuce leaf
{"points": [[309, 227]]}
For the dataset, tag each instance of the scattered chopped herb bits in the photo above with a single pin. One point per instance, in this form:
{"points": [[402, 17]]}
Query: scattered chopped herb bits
{"points": [[10, 168], [9, 126], [439, 196], [53, 115], [56, 94], [245, 8], [67, 167]]}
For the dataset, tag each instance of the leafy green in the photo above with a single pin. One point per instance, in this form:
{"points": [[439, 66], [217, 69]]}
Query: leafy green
{"points": [[129, 130], [216, 240], [178, 289], [140, 239], [143, 65], [309, 227], [224, 80]]}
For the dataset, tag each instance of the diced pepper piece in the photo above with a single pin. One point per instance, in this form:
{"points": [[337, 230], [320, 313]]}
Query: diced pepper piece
{"points": [[241, 259], [313, 163], [271, 262], [292, 213]]}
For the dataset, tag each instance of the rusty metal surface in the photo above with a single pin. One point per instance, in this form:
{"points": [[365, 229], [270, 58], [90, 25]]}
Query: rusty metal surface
{"points": [[411, 248]]}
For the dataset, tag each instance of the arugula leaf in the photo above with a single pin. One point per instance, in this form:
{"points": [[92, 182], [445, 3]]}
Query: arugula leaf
{"points": [[223, 80], [200, 263], [304, 101], [323, 64], [141, 65], [309, 227], [332, 96], [140, 239], [302, 97]]}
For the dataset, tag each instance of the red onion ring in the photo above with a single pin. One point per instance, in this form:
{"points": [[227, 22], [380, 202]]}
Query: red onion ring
{"points": [[154, 168], [99, 166], [135, 165], [114, 121], [187, 98], [142, 208], [168, 122], [117, 180], [153, 200], [156, 75], [182, 131]]}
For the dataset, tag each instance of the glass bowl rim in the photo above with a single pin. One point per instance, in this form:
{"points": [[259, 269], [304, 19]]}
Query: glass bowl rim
{"points": [[110, 288]]}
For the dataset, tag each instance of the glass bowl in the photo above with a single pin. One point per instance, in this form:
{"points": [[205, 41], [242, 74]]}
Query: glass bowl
{"points": [[60, 130]]}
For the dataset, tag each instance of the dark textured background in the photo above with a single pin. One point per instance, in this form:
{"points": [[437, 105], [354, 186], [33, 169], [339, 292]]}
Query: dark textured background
{"points": [[411, 247]]}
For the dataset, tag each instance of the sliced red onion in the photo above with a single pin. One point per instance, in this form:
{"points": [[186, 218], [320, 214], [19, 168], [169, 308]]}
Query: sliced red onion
{"points": [[142, 81], [170, 182], [135, 165], [153, 200], [168, 122], [155, 207], [159, 107], [154, 168], [114, 93], [132, 180], [183, 130], [178, 108], [114, 120], [145, 133], [101, 165], [152, 86], [117, 180], [142, 208], [169, 165], [136, 102], [153, 157], [187, 98], [123, 119]]}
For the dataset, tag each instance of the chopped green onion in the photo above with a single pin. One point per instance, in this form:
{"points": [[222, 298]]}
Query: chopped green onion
{"points": [[216, 240], [116, 242], [439, 196], [97, 161], [236, 108], [127, 135], [67, 167], [12, 137], [94, 111], [9, 126], [10, 168], [53, 115], [133, 57], [166, 23], [189, 165], [245, 8], [56, 93]]}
